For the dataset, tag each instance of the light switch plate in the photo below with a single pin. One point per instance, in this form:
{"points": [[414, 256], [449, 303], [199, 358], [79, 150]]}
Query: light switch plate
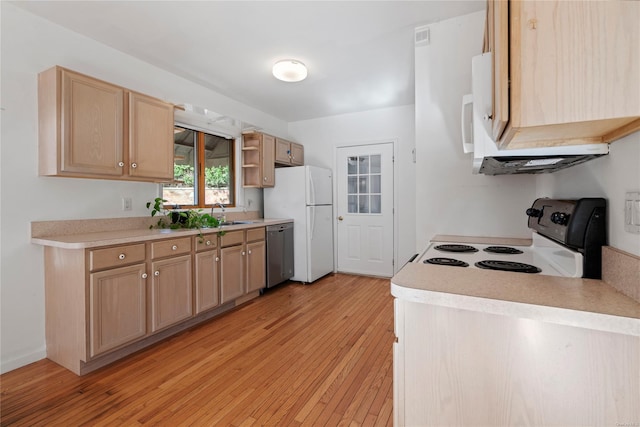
{"points": [[632, 212]]}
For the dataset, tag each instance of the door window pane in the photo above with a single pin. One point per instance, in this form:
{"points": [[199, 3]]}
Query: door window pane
{"points": [[352, 203], [352, 165], [376, 204], [375, 163], [363, 204], [364, 184]]}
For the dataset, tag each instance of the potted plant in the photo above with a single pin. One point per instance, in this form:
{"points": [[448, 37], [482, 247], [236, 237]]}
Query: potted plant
{"points": [[188, 219]]}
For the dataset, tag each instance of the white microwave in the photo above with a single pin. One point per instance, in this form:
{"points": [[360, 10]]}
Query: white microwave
{"points": [[487, 158]]}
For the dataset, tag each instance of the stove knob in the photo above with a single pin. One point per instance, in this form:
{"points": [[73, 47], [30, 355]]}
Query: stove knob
{"points": [[560, 218], [535, 213]]}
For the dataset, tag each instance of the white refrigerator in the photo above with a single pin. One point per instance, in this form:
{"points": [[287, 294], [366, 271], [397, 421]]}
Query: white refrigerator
{"points": [[304, 193]]}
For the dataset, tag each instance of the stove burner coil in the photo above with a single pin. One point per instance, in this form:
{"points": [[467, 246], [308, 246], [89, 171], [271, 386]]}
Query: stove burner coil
{"points": [[446, 261], [516, 267], [502, 250], [456, 248]]}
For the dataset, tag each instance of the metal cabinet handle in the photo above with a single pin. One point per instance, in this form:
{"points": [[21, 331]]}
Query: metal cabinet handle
{"points": [[122, 256], [217, 258], [208, 243], [265, 178], [134, 165], [249, 252], [243, 253], [156, 273], [121, 164], [144, 275], [174, 247]]}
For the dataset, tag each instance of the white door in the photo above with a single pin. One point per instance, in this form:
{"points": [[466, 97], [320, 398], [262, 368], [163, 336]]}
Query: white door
{"points": [[364, 181]]}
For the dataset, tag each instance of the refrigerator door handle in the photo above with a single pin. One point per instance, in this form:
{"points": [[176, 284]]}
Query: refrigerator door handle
{"points": [[312, 190], [313, 222]]}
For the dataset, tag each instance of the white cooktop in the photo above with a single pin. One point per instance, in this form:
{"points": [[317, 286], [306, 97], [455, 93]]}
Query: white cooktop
{"points": [[549, 256]]}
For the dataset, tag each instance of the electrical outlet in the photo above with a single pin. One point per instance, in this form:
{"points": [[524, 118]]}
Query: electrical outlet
{"points": [[127, 203], [632, 212]]}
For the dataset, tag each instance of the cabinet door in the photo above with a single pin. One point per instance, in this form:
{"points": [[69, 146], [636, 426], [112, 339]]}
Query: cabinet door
{"points": [[92, 129], [283, 151], [498, 15], [207, 283], [231, 273], [117, 312], [171, 294], [297, 154], [150, 138], [268, 161], [256, 266]]}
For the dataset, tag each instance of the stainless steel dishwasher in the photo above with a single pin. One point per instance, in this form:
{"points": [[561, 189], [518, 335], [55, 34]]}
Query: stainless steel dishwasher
{"points": [[279, 253]]}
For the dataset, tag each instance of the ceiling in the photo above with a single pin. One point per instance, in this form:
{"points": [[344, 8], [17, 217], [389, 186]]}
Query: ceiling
{"points": [[359, 53]]}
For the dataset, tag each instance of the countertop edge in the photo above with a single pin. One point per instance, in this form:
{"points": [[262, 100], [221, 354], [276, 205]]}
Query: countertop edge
{"points": [[119, 237], [561, 316]]}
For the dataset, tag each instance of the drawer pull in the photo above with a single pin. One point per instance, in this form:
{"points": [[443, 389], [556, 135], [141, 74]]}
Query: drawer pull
{"points": [[156, 273], [208, 243], [134, 165], [122, 256], [144, 275], [174, 247], [121, 164]]}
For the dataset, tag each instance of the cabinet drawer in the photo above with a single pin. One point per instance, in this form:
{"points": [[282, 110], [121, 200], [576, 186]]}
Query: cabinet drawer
{"points": [[115, 257], [254, 234], [170, 247], [232, 238], [206, 242]]}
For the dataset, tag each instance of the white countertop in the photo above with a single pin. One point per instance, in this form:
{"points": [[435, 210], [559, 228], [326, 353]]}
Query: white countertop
{"points": [[118, 237]]}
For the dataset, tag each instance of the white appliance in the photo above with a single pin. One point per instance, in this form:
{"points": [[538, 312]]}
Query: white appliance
{"points": [[304, 193], [487, 158], [567, 241]]}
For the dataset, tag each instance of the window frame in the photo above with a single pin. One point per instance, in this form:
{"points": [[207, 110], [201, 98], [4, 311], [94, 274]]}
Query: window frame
{"points": [[199, 163]]}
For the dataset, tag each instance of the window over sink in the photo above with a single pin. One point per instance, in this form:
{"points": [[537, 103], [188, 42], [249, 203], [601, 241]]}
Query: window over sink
{"points": [[203, 167]]}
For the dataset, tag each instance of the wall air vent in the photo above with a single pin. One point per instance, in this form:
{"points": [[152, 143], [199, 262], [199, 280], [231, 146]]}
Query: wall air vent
{"points": [[422, 36]]}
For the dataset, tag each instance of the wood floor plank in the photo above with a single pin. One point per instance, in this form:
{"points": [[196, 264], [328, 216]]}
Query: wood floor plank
{"points": [[318, 354]]}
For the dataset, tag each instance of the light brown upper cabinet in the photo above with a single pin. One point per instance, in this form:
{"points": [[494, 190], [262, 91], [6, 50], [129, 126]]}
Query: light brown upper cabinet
{"points": [[565, 72], [89, 128], [258, 168], [289, 153]]}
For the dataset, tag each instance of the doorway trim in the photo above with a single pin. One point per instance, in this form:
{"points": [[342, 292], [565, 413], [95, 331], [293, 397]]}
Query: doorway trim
{"points": [[394, 145]]}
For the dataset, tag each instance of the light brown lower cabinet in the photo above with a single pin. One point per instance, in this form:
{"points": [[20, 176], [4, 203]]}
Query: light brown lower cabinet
{"points": [[171, 292], [207, 273], [231, 273], [118, 307], [107, 302], [465, 367]]}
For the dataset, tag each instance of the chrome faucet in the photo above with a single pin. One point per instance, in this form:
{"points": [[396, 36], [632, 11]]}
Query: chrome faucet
{"points": [[221, 218]]}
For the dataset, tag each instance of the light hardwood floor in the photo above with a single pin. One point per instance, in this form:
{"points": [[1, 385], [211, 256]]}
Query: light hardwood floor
{"points": [[319, 354]]}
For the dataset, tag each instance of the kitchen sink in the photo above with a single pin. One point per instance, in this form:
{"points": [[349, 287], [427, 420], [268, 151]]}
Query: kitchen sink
{"points": [[236, 222]]}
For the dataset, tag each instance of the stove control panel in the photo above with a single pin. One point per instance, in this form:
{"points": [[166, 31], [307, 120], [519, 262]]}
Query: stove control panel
{"points": [[575, 223]]}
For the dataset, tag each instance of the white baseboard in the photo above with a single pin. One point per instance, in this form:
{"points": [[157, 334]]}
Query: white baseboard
{"points": [[10, 365]]}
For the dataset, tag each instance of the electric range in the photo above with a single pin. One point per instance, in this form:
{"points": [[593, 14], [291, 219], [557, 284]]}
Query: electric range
{"points": [[567, 238]]}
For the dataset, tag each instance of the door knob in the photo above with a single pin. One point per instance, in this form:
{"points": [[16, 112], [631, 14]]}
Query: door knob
{"points": [[340, 218]]}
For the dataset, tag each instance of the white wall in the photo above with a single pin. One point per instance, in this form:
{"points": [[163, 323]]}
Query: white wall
{"points": [[30, 45], [449, 198], [322, 136], [610, 177]]}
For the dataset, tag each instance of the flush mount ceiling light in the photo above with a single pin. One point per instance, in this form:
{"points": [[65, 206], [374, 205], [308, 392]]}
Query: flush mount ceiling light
{"points": [[289, 70]]}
